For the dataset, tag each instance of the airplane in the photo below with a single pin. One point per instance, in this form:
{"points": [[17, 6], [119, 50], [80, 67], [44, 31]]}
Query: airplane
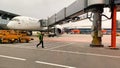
{"points": [[30, 24]]}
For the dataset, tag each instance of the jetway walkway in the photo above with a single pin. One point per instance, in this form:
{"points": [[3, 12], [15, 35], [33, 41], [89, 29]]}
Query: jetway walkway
{"points": [[77, 8]]}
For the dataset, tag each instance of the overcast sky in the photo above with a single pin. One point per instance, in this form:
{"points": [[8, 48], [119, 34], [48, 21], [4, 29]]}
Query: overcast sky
{"points": [[34, 8]]}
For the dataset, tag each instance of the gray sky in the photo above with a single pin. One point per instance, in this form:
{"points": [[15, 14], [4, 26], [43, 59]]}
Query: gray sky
{"points": [[34, 8]]}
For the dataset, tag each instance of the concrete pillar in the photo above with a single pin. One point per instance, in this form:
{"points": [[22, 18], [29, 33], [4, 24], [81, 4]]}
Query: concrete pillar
{"points": [[96, 29]]}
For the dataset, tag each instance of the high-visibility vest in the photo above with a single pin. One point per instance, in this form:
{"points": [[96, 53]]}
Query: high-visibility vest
{"points": [[40, 37]]}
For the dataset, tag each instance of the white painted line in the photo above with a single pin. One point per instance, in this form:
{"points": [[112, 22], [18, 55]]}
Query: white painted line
{"points": [[71, 52], [90, 54], [58, 65], [12, 57], [59, 46]]}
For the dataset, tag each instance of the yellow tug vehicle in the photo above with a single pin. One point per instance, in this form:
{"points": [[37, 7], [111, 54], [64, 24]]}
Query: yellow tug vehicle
{"points": [[14, 36]]}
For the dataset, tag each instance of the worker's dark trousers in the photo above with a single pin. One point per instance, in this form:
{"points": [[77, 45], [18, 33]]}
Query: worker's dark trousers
{"points": [[40, 43]]}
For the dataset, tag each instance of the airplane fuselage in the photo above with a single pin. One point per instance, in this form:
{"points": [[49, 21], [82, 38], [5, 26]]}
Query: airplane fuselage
{"points": [[24, 23]]}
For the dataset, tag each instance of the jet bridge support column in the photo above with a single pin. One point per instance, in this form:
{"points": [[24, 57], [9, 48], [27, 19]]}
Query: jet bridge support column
{"points": [[96, 28]]}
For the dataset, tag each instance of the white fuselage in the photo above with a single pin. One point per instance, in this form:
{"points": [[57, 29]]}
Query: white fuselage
{"points": [[24, 23]]}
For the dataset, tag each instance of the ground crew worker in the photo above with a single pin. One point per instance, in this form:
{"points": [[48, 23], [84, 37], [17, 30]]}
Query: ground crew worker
{"points": [[40, 35]]}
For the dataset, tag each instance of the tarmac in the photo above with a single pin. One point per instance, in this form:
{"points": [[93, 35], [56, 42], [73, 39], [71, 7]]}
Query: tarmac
{"points": [[66, 51]]}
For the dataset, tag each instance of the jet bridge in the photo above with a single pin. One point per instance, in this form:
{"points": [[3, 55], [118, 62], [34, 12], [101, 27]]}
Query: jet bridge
{"points": [[75, 9], [80, 7]]}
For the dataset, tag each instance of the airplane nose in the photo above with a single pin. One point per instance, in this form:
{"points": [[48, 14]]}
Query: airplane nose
{"points": [[11, 25]]}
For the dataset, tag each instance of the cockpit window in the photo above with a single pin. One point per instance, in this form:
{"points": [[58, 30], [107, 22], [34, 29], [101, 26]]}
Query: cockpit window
{"points": [[15, 20]]}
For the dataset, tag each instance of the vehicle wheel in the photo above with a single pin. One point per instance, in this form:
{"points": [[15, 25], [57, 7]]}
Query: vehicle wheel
{"points": [[16, 41], [0, 40], [27, 41], [9, 41], [19, 40]]}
